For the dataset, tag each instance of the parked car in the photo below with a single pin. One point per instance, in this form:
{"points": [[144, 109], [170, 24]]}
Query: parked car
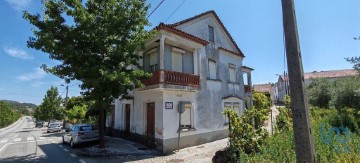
{"points": [[39, 124], [45, 124], [80, 133], [54, 127]]}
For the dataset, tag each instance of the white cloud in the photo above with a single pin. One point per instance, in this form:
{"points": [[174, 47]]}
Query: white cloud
{"points": [[38, 74], [18, 4], [17, 53]]}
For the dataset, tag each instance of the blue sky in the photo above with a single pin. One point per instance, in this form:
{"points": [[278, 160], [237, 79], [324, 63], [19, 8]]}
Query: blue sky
{"points": [[326, 31]]}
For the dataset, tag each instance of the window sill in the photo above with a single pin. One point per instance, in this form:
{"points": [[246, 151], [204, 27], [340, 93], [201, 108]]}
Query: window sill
{"points": [[187, 129], [218, 80]]}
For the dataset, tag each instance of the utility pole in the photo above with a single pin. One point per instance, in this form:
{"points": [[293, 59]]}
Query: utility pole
{"points": [[66, 100], [304, 142]]}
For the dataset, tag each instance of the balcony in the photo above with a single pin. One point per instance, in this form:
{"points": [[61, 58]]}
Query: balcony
{"points": [[172, 77]]}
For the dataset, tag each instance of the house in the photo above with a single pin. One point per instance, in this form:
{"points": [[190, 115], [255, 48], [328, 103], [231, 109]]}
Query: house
{"points": [[197, 71], [283, 82], [265, 88]]}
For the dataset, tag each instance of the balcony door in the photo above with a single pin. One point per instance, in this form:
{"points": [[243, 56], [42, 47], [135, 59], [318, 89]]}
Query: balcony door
{"points": [[177, 59]]}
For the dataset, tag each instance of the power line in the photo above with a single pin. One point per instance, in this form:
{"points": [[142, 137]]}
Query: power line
{"points": [[175, 11], [156, 8]]}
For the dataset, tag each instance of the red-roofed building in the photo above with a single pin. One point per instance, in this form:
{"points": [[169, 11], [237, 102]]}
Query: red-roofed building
{"points": [[197, 72], [283, 86]]}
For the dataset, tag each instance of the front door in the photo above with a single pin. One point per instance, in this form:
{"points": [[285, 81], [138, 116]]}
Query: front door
{"points": [[127, 119], [150, 125]]}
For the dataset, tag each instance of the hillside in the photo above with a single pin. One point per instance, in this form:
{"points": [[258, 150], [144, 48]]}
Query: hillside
{"points": [[25, 108]]}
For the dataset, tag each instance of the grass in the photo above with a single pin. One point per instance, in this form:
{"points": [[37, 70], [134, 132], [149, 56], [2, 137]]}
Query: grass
{"points": [[280, 147]]}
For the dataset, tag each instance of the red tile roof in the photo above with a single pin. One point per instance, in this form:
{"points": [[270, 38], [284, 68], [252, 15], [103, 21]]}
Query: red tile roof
{"points": [[326, 74], [171, 29], [262, 88], [217, 18]]}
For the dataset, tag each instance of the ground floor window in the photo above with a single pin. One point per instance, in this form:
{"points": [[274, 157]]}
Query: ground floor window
{"points": [[187, 117], [232, 105]]}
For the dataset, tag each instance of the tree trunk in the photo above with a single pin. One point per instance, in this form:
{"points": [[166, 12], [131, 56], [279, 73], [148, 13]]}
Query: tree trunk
{"points": [[101, 127]]}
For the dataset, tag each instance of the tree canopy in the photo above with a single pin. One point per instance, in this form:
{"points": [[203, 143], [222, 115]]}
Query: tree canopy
{"points": [[50, 108], [96, 43]]}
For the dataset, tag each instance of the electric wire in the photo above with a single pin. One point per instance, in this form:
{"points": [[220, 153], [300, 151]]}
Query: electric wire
{"points": [[175, 11], [155, 8]]}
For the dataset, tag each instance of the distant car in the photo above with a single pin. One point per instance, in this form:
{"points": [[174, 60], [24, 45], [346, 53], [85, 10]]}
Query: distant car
{"points": [[79, 134], [54, 127]]}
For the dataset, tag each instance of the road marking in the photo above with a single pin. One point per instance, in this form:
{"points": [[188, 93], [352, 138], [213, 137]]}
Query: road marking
{"points": [[66, 150], [30, 138], [73, 155], [50, 139], [82, 161], [42, 138], [3, 147], [17, 139], [4, 141], [60, 146]]}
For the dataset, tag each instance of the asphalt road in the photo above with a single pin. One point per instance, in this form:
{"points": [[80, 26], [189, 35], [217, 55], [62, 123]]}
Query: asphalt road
{"points": [[24, 143]]}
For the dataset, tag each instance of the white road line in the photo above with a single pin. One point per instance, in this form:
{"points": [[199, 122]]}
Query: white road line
{"points": [[4, 141], [60, 146], [30, 138], [42, 138], [50, 139], [17, 139], [82, 161], [66, 150], [3, 147], [72, 155]]}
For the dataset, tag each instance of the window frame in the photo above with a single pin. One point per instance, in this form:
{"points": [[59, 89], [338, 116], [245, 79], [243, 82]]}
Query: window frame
{"points": [[209, 70], [211, 31], [191, 126], [232, 66]]}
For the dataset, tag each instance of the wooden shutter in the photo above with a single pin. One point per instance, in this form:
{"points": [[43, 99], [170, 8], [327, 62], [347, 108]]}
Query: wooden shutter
{"points": [[177, 61], [212, 69]]}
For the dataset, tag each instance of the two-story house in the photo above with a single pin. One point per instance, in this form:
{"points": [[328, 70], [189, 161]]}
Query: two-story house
{"points": [[196, 65]]}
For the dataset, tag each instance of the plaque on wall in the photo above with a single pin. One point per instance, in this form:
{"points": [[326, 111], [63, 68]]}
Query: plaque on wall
{"points": [[168, 105]]}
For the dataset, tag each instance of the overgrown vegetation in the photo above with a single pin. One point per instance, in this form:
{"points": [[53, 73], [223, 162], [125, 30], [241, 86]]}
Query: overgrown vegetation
{"points": [[50, 108], [76, 111], [7, 115], [246, 134], [340, 93], [281, 147]]}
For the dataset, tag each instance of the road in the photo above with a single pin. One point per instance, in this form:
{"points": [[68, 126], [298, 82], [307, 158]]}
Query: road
{"points": [[23, 142]]}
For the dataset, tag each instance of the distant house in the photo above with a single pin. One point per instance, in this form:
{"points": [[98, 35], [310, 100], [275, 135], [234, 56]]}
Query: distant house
{"points": [[197, 72], [283, 82], [265, 88]]}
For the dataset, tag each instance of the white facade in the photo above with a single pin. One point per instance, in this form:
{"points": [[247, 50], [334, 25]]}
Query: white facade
{"points": [[176, 84]]}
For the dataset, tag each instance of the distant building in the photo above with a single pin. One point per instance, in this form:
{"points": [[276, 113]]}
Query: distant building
{"points": [[265, 88], [283, 82]]}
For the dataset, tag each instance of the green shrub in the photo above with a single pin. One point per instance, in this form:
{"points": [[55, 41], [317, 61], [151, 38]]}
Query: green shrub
{"points": [[7, 115], [245, 137], [284, 119], [287, 102], [319, 93]]}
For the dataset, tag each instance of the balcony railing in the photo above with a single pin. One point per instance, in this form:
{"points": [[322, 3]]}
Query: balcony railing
{"points": [[172, 77], [247, 88]]}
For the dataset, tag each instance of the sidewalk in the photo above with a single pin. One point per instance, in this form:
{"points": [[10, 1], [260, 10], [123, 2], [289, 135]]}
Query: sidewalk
{"points": [[15, 123], [127, 151]]}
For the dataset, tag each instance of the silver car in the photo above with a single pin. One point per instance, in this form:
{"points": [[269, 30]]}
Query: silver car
{"points": [[54, 127], [80, 133]]}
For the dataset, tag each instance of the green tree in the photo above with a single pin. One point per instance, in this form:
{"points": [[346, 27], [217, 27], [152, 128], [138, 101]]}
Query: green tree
{"points": [[7, 115], [96, 43], [356, 62], [319, 93], [50, 108]]}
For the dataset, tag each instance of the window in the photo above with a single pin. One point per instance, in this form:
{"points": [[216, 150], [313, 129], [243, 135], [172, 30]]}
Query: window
{"points": [[236, 106], [153, 62], [232, 73], [212, 69], [211, 34], [186, 118], [177, 60]]}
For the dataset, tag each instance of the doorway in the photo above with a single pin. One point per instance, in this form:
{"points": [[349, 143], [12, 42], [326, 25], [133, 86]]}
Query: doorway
{"points": [[150, 125], [127, 120]]}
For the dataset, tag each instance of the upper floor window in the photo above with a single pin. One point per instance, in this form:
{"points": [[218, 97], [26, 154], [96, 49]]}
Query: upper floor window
{"points": [[212, 69], [211, 34], [232, 73], [176, 59], [153, 62]]}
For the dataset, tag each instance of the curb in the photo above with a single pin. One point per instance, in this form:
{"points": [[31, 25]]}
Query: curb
{"points": [[15, 123]]}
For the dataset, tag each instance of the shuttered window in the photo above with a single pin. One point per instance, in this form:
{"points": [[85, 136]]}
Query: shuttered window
{"points": [[211, 34], [186, 117], [153, 62], [177, 61], [212, 69], [236, 106], [232, 74]]}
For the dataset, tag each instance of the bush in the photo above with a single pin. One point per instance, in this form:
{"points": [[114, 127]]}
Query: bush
{"points": [[319, 93], [284, 119], [346, 93], [245, 137], [7, 115]]}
